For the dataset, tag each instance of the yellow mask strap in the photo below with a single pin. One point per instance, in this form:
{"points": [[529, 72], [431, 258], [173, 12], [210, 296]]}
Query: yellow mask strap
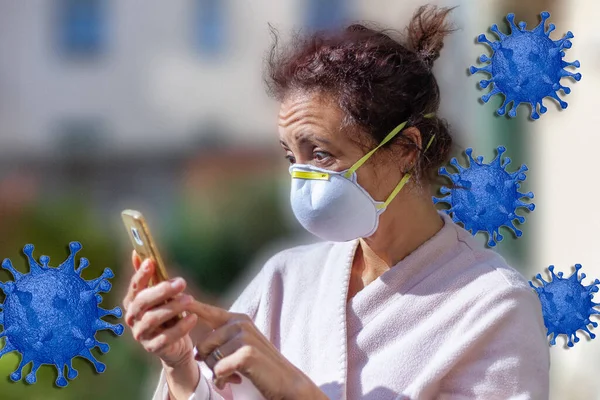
{"points": [[389, 137], [406, 177]]}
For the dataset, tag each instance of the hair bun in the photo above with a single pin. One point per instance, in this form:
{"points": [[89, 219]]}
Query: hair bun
{"points": [[426, 32]]}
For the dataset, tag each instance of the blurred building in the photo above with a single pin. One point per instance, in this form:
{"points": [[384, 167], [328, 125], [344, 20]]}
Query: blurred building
{"points": [[107, 97], [105, 76]]}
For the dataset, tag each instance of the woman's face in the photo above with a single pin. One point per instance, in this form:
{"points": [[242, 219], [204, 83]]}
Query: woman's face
{"points": [[310, 133]]}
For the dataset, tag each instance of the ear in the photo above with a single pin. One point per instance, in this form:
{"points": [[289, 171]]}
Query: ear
{"points": [[409, 150]]}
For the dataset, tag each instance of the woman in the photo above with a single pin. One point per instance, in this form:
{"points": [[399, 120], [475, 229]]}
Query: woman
{"points": [[398, 302]]}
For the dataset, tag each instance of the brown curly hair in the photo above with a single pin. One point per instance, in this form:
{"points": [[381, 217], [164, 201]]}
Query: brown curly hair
{"points": [[378, 81]]}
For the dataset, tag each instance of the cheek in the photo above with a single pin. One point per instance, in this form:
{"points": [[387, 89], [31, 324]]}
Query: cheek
{"points": [[379, 182]]}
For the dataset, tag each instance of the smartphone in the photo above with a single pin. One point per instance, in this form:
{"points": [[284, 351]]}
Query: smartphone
{"points": [[144, 245]]}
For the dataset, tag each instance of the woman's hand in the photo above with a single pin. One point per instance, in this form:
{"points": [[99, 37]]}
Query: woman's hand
{"points": [[247, 351], [149, 308]]}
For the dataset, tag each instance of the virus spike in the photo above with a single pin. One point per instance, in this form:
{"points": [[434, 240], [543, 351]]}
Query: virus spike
{"points": [[101, 281], [486, 97], [502, 109], [69, 263], [104, 347], [511, 226], [565, 89], [525, 66], [576, 76], [438, 200], [16, 375], [563, 104], [539, 277], [34, 267], [45, 260], [484, 83], [60, 380], [486, 68], [115, 311], [491, 242], [469, 153], [101, 325], [31, 377], [454, 162], [85, 353], [496, 161], [71, 372], [8, 347], [64, 316], [542, 25], [7, 265], [564, 42], [513, 111], [7, 287], [483, 39], [83, 264], [534, 114], [477, 200], [571, 64], [511, 20], [495, 29], [519, 174], [590, 334]]}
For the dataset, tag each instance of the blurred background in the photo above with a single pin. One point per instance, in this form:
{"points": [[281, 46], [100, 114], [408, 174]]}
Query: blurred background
{"points": [[160, 106]]}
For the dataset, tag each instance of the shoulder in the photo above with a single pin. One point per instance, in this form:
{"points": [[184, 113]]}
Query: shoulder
{"points": [[487, 287], [487, 265], [479, 276]]}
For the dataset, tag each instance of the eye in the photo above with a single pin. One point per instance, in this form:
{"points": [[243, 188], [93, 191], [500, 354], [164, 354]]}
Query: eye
{"points": [[321, 155], [290, 158]]}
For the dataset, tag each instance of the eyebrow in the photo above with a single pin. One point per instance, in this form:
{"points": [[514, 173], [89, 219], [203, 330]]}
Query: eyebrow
{"points": [[304, 139]]}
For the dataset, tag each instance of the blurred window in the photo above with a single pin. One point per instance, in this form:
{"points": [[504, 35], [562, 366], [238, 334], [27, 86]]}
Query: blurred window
{"points": [[209, 27], [81, 137], [325, 14], [82, 24]]}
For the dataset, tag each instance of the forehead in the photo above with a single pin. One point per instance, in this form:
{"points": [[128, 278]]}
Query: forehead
{"points": [[316, 108]]}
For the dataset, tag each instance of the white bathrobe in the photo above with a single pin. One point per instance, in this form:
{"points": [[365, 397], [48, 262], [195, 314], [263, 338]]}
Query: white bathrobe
{"points": [[450, 321]]}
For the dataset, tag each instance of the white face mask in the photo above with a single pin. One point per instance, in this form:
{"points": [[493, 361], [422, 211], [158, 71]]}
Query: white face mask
{"points": [[332, 205]]}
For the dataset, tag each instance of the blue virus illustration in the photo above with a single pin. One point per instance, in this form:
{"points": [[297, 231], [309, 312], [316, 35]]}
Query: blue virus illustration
{"points": [[51, 315], [485, 197], [567, 305], [526, 66]]}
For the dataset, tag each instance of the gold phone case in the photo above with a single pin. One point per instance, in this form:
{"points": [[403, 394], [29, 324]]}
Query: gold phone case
{"points": [[142, 241], [144, 245]]}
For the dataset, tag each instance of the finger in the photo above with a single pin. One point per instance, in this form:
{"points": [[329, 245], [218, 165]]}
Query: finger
{"points": [[136, 260], [222, 381], [171, 335], [156, 317], [219, 338], [235, 362], [214, 316], [153, 296], [139, 281]]}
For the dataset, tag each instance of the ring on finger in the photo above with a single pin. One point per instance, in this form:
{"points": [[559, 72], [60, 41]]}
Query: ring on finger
{"points": [[217, 355]]}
